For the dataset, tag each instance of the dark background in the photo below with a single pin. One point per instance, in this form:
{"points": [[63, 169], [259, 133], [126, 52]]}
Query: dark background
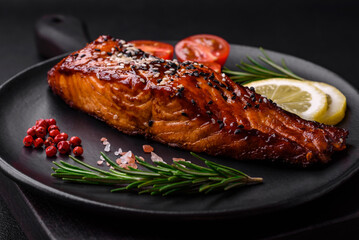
{"points": [[323, 32]]}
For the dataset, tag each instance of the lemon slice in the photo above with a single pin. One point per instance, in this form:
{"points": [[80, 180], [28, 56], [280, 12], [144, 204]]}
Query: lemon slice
{"points": [[296, 96], [337, 104]]}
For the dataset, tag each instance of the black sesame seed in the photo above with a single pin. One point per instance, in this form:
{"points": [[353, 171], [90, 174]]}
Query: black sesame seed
{"points": [[193, 102], [159, 80], [252, 95], [256, 106], [209, 112], [201, 65], [224, 97], [222, 85], [233, 97], [215, 81], [210, 102], [184, 114], [260, 100], [76, 54], [109, 53], [181, 89], [210, 84], [221, 125], [219, 121], [237, 131], [212, 76], [249, 105], [197, 86], [240, 126], [245, 107], [150, 123], [253, 99], [196, 73], [97, 50], [216, 87], [82, 55]]}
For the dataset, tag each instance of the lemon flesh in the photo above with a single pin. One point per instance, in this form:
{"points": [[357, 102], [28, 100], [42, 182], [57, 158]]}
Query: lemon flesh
{"points": [[299, 97], [336, 104]]}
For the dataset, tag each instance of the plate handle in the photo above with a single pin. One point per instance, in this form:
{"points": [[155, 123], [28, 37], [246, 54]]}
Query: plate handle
{"points": [[57, 34]]}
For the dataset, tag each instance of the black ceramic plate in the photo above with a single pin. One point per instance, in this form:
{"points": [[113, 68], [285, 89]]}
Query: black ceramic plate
{"points": [[27, 97]]}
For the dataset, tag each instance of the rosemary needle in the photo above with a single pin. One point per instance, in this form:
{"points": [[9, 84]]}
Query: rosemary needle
{"points": [[255, 70], [161, 178]]}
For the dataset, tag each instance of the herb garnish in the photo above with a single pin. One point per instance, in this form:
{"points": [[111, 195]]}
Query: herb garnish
{"points": [[254, 70], [164, 179]]}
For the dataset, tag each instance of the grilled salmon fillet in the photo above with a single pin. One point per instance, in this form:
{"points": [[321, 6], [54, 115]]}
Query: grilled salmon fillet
{"points": [[187, 105]]}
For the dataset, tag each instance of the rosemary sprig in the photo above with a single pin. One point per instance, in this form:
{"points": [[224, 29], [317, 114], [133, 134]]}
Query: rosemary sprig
{"points": [[162, 178], [254, 70]]}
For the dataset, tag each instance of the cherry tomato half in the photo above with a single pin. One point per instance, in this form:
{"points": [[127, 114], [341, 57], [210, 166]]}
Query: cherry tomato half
{"points": [[203, 48], [158, 49]]}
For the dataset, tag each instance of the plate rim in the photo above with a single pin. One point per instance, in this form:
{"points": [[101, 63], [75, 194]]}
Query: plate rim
{"points": [[29, 182]]}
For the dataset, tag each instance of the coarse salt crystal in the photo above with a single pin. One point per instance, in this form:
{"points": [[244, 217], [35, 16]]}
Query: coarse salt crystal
{"points": [[147, 148], [118, 151], [107, 148], [156, 158]]}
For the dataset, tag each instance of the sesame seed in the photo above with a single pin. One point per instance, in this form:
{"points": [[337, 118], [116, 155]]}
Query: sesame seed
{"points": [[237, 131], [184, 114], [150, 123], [210, 102]]}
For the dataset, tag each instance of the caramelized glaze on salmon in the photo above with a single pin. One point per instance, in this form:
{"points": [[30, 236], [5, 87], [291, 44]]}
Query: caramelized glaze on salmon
{"points": [[187, 105]]}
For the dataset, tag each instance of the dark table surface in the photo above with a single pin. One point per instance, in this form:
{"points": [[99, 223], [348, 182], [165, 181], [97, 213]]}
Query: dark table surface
{"points": [[323, 32]]}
